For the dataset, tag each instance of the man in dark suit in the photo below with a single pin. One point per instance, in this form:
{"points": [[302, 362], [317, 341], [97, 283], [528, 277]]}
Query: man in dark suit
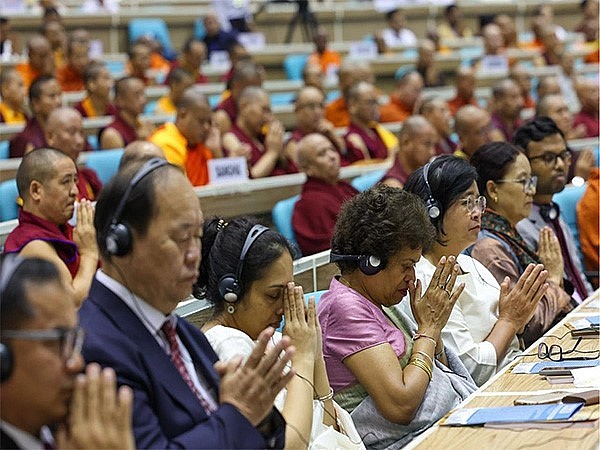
{"points": [[149, 225], [42, 387]]}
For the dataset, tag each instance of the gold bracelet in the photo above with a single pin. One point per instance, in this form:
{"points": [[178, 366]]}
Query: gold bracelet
{"points": [[425, 355], [326, 397], [421, 335], [422, 364], [423, 367]]}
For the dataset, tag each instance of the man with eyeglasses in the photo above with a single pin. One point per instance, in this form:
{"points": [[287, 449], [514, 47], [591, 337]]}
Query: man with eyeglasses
{"points": [[309, 109], [42, 388], [546, 148]]}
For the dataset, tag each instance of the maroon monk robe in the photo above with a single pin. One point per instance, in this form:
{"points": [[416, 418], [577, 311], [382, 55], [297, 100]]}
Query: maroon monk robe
{"points": [[258, 150], [397, 172], [127, 132], [374, 143], [228, 105], [31, 228], [31, 134], [316, 212], [88, 184]]}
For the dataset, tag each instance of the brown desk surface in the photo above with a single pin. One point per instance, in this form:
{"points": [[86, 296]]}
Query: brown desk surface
{"points": [[502, 390]]}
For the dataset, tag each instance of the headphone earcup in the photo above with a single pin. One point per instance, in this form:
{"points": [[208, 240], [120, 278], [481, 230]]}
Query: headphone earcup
{"points": [[118, 239], [229, 288], [433, 209], [370, 265], [6, 362]]}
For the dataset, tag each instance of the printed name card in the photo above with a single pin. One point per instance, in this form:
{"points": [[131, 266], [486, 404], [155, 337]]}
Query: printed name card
{"points": [[227, 170], [494, 63], [365, 50], [220, 59], [253, 42]]}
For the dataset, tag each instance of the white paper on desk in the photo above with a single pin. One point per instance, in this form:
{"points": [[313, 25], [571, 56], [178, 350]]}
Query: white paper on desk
{"points": [[586, 377], [525, 367], [586, 322]]}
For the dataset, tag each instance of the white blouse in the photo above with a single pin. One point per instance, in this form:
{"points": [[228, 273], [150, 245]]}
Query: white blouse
{"points": [[472, 318], [229, 342]]}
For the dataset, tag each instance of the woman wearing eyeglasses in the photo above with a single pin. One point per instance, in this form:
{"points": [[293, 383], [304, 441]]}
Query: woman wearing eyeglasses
{"points": [[506, 181], [483, 325]]}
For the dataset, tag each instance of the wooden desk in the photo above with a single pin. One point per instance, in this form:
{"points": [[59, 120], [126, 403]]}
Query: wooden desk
{"points": [[504, 387]]}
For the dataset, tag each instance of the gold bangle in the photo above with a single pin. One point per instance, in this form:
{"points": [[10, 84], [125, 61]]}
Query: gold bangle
{"points": [[422, 364], [326, 397], [421, 335], [425, 355]]}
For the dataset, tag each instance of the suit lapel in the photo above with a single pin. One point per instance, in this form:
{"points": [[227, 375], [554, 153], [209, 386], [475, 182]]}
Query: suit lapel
{"points": [[160, 364]]}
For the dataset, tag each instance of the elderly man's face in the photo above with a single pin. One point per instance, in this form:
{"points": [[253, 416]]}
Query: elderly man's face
{"points": [[68, 135], [57, 195], [511, 102], [40, 387], [558, 110], [163, 265], [323, 161], [50, 98], [310, 109]]}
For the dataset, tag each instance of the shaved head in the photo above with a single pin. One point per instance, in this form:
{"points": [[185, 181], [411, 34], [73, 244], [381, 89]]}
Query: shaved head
{"points": [[139, 152], [37, 165]]}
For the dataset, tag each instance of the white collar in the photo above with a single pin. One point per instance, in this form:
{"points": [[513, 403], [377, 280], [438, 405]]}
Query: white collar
{"points": [[152, 318], [23, 439]]}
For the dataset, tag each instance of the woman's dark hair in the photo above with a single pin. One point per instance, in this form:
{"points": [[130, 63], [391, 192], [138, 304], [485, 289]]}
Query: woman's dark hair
{"points": [[17, 274], [222, 244], [449, 177], [491, 162], [381, 222]]}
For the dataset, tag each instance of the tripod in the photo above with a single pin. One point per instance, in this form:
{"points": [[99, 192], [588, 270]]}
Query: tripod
{"points": [[307, 20], [304, 16]]}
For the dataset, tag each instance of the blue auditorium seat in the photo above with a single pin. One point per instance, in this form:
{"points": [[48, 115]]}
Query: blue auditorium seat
{"points": [[105, 163], [4, 149], [364, 182], [567, 201], [294, 65], [282, 217], [199, 30], [8, 200], [154, 27]]}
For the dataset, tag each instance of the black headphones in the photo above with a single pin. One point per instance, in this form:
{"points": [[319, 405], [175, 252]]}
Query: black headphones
{"points": [[368, 264], [10, 264], [550, 211], [230, 285], [118, 239], [432, 205]]}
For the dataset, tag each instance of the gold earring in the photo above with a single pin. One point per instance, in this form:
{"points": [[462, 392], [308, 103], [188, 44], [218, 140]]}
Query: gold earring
{"points": [[495, 199]]}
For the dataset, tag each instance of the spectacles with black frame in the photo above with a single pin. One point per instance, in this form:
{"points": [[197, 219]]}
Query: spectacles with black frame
{"points": [[70, 339]]}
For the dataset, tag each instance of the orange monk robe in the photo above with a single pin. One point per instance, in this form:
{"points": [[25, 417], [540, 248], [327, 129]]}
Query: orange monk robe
{"points": [[337, 113], [394, 111], [70, 80], [325, 60], [28, 73], [458, 102], [589, 222], [193, 159]]}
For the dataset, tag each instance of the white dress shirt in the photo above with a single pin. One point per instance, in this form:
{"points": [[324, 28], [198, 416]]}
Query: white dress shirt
{"points": [[153, 320]]}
